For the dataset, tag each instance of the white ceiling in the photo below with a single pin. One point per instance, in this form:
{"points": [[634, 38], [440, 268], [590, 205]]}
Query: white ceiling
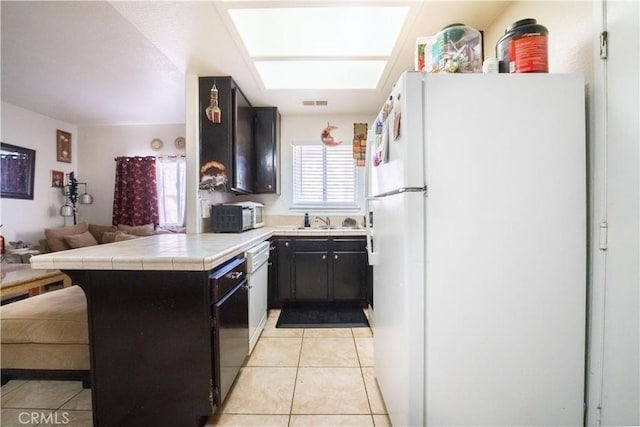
{"points": [[100, 63]]}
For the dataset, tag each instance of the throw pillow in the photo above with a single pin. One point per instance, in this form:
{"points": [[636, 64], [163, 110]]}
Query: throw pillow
{"points": [[98, 230], [109, 236], [81, 240], [137, 230], [55, 236]]}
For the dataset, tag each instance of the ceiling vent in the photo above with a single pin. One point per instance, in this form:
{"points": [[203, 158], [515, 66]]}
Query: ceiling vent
{"points": [[315, 103]]}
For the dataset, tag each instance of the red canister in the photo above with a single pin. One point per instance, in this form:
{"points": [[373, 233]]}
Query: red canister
{"points": [[523, 48]]}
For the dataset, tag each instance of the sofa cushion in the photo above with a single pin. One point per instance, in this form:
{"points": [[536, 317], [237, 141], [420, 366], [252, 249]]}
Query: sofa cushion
{"points": [[81, 240], [48, 331], [98, 231], [55, 236], [55, 317], [138, 230]]}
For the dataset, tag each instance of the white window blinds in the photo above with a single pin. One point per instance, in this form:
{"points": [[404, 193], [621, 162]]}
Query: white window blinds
{"points": [[323, 176]]}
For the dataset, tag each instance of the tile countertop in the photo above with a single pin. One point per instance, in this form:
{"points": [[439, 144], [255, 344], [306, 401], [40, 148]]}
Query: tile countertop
{"points": [[171, 252]]}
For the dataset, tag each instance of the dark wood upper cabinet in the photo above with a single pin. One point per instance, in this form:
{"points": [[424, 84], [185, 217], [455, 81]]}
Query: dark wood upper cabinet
{"points": [[226, 148], [267, 150]]}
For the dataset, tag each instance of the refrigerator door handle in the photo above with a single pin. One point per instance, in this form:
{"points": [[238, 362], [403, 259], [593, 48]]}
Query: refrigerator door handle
{"points": [[401, 191], [371, 255]]}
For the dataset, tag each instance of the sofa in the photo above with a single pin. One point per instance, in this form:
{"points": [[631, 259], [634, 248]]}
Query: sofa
{"points": [[83, 235], [46, 337]]}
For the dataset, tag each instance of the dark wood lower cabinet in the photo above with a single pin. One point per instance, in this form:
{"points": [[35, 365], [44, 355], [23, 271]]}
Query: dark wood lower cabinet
{"points": [[280, 289], [349, 275], [319, 269], [311, 276]]}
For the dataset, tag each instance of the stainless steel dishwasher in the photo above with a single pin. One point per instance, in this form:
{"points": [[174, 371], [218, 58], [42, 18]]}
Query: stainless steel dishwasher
{"points": [[257, 271]]}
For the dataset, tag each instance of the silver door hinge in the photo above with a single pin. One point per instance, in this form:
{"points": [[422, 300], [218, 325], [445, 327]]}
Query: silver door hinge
{"points": [[604, 36], [604, 229], [598, 416]]}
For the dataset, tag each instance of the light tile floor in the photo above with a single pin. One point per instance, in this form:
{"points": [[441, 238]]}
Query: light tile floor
{"points": [[294, 377]]}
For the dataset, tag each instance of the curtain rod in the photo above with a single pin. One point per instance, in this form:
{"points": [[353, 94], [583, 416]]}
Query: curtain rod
{"points": [[150, 157]]}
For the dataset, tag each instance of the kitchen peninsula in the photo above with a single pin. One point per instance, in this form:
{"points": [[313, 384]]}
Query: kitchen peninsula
{"points": [[149, 304]]}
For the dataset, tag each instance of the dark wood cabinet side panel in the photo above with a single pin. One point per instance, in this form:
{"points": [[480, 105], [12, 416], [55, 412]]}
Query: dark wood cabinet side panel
{"points": [[215, 138], [151, 347], [226, 148]]}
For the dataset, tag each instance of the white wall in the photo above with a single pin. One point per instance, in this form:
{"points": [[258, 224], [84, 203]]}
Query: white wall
{"points": [[26, 219], [97, 148], [308, 128], [570, 38]]}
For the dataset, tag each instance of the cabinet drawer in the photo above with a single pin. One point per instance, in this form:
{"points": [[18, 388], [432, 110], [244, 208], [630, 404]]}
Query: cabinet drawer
{"points": [[312, 245], [350, 244], [225, 277]]}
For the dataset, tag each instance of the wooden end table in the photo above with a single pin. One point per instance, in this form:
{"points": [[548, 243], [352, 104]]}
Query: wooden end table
{"points": [[27, 279]]}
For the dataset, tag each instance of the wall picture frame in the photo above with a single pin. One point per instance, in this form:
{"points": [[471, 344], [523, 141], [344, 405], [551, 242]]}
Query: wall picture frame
{"points": [[57, 179], [63, 146], [18, 165]]}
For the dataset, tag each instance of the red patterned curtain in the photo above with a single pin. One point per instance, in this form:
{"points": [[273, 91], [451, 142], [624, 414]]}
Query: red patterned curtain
{"points": [[135, 199]]}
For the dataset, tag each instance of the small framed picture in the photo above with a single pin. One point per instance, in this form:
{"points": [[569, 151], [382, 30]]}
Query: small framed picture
{"points": [[63, 147], [57, 179]]}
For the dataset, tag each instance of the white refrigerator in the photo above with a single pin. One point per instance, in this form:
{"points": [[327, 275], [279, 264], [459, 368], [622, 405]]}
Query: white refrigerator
{"points": [[477, 188]]}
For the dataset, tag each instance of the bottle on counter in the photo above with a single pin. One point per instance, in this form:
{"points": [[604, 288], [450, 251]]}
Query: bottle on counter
{"points": [[306, 220]]}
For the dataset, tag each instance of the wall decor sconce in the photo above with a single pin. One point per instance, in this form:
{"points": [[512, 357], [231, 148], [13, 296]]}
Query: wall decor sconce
{"points": [[72, 197]]}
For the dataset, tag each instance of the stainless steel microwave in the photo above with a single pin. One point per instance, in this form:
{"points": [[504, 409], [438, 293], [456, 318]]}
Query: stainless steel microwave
{"points": [[257, 213], [236, 217], [230, 219]]}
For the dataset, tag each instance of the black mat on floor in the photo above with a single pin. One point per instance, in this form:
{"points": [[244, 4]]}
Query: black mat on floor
{"points": [[321, 316]]}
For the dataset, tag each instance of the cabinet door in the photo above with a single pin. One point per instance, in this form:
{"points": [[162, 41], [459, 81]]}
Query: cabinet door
{"points": [[349, 275], [267, 146], [284, 289], [242, 143], [311, 274], [273, 274]]}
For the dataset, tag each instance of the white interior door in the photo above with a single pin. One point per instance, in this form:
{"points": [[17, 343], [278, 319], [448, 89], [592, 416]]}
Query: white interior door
{"points": [[614, 373]]}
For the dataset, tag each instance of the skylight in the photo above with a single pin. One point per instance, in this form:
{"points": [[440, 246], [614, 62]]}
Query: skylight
{"points": [[323, 36], [320, 74]]}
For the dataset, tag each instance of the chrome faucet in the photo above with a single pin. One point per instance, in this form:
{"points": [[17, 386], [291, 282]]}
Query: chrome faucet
{"points": [[326, 221]]}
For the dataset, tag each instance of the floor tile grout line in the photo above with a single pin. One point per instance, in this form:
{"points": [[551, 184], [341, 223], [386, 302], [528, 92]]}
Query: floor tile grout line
{"points": [[364, 382], [295, 380], [70, 399], [17, 387]]}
